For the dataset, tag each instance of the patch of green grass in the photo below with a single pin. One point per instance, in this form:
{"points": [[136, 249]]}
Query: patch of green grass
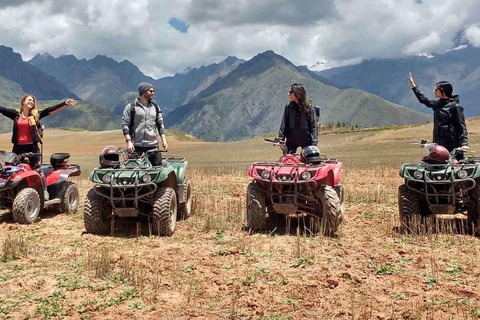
{"points": [[222, 252], [188, 269], [454, 270], [283, 281], [5, 277], [386, 269], [446, 303], [302, 262], [398, 296], [51, 307], [263, 270], [7, 306], [219, 236], [137, 305], [367, 214], [246, 253], [69, 282], [431, 283]]}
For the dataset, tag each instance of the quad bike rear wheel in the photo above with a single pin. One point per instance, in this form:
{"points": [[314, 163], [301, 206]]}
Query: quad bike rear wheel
{"points": [[332, 213], [256, 211], [26, 206], [165, 212], [409, 209], [97, 213], [185, 208], [70, 199]]}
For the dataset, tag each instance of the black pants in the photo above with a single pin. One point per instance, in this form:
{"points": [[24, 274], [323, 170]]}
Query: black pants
{"points": [[292, 147], [155, 159], [31, 147]]}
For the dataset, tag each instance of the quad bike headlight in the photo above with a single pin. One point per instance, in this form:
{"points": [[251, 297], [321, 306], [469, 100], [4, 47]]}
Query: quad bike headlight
{"points": [[306, 175], [462, 174], [146, 178], [418, 175], [107, 178], [265, 174]]}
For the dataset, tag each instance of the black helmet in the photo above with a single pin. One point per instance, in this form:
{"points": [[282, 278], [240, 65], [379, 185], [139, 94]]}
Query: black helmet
{"points": [[110, 157], [311, 154]]}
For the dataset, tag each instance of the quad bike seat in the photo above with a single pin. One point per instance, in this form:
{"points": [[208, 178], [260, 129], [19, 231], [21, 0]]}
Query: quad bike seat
{"points": [[58, 160], [46, 169]]}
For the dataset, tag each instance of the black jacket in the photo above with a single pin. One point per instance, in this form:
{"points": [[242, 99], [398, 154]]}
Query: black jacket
{"points": [[297, 127], [34, 126], [449, 129]]}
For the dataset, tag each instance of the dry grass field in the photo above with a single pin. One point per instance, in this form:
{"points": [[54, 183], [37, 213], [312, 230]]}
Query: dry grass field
{"points": [[212, 268]]}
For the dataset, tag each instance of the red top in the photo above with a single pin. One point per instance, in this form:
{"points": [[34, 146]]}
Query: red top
{"points": [[24, 133]]}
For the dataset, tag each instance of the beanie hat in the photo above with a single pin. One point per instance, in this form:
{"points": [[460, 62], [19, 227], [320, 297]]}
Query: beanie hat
{"points": [[445, 87], [144, 86]]}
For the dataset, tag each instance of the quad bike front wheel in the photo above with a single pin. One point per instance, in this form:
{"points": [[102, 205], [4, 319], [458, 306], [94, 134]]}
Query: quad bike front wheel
{"points": [[332, 213], [97, 213], [165, 212], [26, 206], [409, 209], [70, 199], [256, 210], [185, 208]]}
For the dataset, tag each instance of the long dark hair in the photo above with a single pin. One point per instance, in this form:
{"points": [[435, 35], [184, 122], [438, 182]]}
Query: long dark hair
{"points": [[299, 91]]}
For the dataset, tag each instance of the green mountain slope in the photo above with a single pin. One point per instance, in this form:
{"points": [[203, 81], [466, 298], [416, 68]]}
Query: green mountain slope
{"points": [[250, 101]]}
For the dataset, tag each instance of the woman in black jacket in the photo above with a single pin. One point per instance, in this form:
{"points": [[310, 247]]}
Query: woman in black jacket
{"points": [[26, 124], [449, 128], [299, 121]]}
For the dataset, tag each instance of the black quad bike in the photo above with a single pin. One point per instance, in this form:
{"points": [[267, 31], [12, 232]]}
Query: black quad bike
{"points": [[439, 186]]}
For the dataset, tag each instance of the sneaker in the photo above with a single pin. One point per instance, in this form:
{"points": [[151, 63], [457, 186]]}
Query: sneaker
{"points": [[46, 195]]}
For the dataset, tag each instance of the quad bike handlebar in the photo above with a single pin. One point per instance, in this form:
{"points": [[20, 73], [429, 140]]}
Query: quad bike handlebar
{"points": [[275, 142], [13, 158], [429, 145]]}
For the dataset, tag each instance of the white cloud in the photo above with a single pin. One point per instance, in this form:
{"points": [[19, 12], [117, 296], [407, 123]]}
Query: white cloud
{"points": [[472, 35], [305, 32]]}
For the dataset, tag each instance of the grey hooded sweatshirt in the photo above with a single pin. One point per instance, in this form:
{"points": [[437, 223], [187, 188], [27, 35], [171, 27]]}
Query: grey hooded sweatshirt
{"points": [[146, 120]]}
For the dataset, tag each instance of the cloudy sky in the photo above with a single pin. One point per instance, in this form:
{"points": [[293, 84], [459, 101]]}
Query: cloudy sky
{"points": [[163, 37]]}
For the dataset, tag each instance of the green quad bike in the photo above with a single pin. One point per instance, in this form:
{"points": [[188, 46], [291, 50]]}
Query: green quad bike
{"points": [[135, 188], [439, 186]]}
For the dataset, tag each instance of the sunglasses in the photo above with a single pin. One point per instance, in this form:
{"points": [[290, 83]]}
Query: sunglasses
{"points": [[290, 92]]}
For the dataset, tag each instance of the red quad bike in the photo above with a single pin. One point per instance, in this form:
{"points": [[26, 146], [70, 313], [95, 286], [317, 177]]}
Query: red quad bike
{"points": [[305, 185], [22, 188]]}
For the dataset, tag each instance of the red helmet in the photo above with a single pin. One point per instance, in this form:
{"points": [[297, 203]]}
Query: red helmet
{"points": [[438, 154], [110, 157]]}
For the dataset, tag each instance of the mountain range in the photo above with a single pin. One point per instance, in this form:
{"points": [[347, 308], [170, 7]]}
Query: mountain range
{"points": [[250, 101], [388, 78], [230, 100], [114, 84]]}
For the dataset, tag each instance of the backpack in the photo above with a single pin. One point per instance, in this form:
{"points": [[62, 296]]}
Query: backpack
{"points": [[316, 110], [132, 115]]}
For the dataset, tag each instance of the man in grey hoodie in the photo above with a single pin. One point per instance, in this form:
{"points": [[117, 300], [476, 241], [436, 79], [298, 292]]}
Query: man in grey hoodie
{"points": [[140, 120]]}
